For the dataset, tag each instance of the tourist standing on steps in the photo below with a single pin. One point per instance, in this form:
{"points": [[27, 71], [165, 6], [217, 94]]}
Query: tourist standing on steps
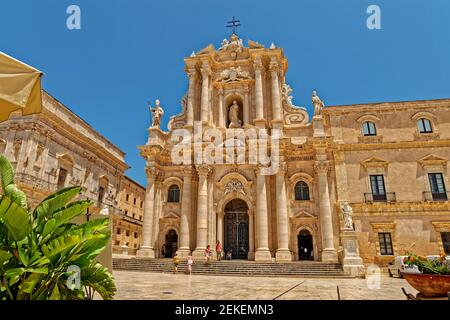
{"points": [[208, 253], [189, 263], [176, 262], [219, 250]]}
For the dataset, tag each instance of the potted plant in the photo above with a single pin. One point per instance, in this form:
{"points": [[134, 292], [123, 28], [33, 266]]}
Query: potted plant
{"points": [[434, 277], [43, 254]]}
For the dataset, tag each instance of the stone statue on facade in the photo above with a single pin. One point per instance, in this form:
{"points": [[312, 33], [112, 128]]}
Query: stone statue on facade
{"points": [[104, 211], [347, 212], [157, 113], [317, 103], [233, 115]]}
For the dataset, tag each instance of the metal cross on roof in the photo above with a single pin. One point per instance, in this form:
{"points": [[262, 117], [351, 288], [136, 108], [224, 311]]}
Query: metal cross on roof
{"points": [[233, 24]]}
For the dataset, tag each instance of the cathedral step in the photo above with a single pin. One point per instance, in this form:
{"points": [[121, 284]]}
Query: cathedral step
{"points": [[300, 269]]}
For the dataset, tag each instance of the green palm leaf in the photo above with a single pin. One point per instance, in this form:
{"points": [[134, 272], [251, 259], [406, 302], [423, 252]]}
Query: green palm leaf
{"points": [[15, 217], [55, 202]]}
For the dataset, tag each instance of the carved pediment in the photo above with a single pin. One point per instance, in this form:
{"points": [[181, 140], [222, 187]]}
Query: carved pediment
{"points": [[374, 162], [170, 215], [233, 74], [302, 214], [209, 49], [432, 159]]}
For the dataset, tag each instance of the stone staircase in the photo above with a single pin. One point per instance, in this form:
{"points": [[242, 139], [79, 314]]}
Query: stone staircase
{"points": [[236, 268]]}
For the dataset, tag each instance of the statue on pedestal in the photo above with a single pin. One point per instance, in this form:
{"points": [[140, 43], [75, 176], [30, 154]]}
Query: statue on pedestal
{"points": [[233, 115], [157, 113], [347, 211], [104, 211], [317, 103]]}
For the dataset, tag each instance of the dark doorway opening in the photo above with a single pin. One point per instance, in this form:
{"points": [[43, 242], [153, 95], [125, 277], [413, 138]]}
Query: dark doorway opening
{"points": [[170, 244], [236, 227], [305, 245]]}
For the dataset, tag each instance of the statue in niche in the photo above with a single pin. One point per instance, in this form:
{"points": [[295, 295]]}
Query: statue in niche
{"points": [[157, 113], [233, 116], [317, 103]]}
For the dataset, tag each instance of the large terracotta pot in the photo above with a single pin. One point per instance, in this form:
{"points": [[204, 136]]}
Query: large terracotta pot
{"points": [[429, 285]]}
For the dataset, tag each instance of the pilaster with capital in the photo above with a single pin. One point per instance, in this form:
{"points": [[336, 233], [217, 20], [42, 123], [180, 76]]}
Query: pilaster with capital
{"points": [[246, 106], [192, 74], [283, 253], [259, 98], [221, 120], [147, 250], [262, 229], [276, 100], [329, 253], [206, 72], [202, 209]]}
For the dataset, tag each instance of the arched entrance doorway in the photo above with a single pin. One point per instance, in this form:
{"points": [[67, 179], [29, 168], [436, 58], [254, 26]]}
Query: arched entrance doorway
{"points": [[236, 225], [305, 245], [171, 244]]}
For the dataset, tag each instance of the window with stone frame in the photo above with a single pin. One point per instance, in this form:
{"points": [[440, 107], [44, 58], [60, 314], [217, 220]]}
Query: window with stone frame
{"points": [[101, 194], [437, 186], [301, 191], [385, 241], [369, 128], [445, 236], [173, 194], [424, 125], [62, 176]]}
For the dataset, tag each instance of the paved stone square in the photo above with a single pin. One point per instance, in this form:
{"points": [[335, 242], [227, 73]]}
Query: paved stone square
{"points": [[160, 286]]}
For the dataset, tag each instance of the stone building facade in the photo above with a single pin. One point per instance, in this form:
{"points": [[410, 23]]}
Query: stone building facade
{"points": [[55, 149], [127, 223], [280, 184]]}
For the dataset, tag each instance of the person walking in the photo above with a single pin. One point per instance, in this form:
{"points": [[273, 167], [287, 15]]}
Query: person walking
{"points": [[208, 253], [219, 250], [176, 262], [190, 262]]}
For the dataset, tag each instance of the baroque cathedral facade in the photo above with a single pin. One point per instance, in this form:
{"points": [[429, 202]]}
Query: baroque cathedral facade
{"points": [[364, 181]]}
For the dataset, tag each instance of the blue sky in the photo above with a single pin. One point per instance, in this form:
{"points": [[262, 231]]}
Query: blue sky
{"points": [[131, 51]]}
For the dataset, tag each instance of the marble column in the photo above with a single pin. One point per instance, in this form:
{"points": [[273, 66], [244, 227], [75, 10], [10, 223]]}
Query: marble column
{"points": [[220, 227], [221, 120], [329, 253], [192, 74], [276, 101], [206, 71], [262, 227], [246, 106], [283, 253], [251, 237], [259, 99], [147, 250], [202, 209], [185, 249]]}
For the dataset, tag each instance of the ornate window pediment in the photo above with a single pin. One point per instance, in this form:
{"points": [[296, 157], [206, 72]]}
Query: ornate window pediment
{"points": [[432, 160], [302, 214], [374, 162]]}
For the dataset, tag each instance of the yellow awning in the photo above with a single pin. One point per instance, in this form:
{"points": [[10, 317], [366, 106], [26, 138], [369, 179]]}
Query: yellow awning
{"points": [[20, 87]]}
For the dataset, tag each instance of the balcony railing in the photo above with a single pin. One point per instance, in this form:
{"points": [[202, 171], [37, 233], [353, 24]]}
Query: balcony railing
{"points": [[385, 197], [436, 196]]}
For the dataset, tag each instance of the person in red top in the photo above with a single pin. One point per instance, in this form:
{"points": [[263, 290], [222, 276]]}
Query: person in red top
{"points": [[219, 250]]}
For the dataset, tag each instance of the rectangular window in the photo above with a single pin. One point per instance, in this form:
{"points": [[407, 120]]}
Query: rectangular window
{"points": [[126, 212], [118, 230], [385, 244], [62, 178], [437, 186], [378, 189], [127, 233], [446, 242], [101, 194], [135, 235], [142, 204], [134, 201], [127, 197]]}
